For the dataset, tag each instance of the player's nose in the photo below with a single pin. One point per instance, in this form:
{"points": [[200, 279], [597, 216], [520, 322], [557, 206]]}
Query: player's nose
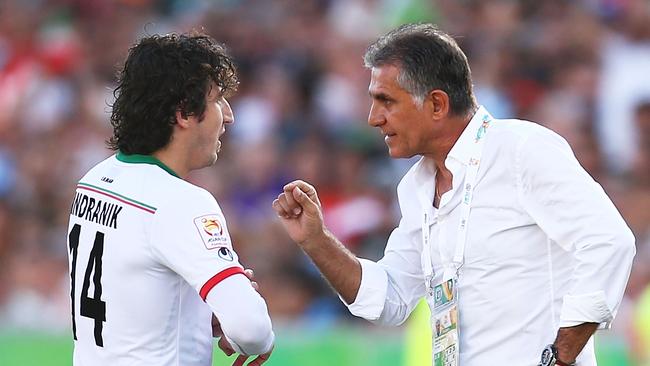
{"points": [[228, 115]]}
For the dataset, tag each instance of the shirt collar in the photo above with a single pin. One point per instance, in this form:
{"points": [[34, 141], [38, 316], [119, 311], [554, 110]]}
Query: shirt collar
{"points": [[424, 175], [425, 169], [473, 132], [144, 159]]}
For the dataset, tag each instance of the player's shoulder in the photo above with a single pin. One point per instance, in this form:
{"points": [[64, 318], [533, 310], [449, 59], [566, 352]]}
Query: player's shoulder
{"points": [[173, 195], [153, 183], [98, 169], [181, 193]]}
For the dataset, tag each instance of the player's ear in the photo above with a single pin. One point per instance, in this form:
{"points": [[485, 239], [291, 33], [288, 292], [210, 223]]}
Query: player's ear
{"points": [[182, 119]]}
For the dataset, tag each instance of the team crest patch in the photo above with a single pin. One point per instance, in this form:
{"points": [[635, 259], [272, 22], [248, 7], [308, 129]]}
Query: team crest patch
{"points": [[212, 229]]}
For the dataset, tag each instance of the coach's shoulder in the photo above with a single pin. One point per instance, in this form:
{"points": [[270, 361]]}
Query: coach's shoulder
{"points": [[517, 130]]}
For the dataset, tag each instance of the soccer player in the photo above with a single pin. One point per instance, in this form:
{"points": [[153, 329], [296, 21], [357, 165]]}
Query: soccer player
{"points": [[151, 260]]}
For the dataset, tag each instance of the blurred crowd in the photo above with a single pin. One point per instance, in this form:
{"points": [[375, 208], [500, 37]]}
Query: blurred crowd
{"points": [[581, 68]]}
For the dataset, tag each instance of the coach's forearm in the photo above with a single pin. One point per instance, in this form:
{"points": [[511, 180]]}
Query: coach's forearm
{"points": [[340, 267], [571, 340]]}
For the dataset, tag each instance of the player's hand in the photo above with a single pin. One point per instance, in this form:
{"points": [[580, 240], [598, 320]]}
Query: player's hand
{"points": [[227, 348], [299, 210], [217, 332], [259, 360], [216, 325], [223, 343], [249, 273]]}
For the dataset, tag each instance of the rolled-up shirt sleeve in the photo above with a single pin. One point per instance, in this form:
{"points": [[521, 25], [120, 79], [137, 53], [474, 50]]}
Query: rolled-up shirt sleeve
{"points": [[391, 287], [574, 211], [369, 303]]}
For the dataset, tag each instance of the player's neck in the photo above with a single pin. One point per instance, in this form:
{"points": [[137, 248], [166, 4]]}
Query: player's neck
{"points": [[174, 160]]}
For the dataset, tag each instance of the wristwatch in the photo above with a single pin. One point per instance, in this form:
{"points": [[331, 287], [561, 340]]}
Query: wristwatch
{"points": [[549, 357]]}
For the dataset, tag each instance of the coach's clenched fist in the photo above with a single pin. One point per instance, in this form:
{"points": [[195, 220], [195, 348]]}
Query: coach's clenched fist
{"points": [[300, 211]]}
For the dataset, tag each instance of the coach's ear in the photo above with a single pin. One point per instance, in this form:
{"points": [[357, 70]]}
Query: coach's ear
{"points": [[438, 101]]}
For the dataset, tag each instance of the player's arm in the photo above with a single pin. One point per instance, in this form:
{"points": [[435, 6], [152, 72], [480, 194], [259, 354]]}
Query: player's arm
{"points": [[574, 211], [225, 345], [242, 315], [190, 236]]}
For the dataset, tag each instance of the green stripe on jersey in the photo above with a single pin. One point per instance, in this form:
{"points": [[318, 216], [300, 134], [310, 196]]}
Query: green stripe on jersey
{"points": [[144, 159], [118, 195]]}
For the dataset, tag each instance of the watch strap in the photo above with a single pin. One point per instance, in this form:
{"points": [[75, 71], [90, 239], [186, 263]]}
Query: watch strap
{"points": [[559, 362], [562, 363], [549, 357]]}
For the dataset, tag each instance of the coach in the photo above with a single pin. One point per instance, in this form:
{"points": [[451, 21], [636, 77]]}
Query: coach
{"points": [[519, 252]]}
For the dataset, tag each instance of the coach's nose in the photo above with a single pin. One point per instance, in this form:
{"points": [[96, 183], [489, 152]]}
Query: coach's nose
{"points": [[376, 116]]}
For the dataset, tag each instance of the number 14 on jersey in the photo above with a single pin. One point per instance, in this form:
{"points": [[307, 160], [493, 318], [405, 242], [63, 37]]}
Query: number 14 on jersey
{"points": [[93, 308]]}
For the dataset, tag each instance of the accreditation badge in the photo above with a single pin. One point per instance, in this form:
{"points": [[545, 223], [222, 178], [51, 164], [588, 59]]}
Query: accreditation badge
{"points": [[444, 323]]}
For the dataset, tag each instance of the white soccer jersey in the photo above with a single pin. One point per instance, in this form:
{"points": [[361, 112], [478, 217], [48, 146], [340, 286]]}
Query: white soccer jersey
{"points": [[145, 248]]}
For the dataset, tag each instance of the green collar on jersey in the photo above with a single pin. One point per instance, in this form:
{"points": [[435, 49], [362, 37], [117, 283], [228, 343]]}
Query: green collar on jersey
{"points": [[144, 159]]}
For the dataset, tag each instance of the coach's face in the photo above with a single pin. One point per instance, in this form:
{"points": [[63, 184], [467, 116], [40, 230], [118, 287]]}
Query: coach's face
{"points": [[217, 115], [404, 123]]}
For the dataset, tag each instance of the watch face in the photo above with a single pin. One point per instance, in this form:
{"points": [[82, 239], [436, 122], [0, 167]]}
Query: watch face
{"points": [[547, 357]]}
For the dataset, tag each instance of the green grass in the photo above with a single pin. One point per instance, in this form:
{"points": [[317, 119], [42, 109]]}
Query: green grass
{"points": [[334, 347], [34, 349], [341, 347]]}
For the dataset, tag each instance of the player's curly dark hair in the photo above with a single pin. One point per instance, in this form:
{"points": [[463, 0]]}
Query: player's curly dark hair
{"points": [[161, 75]]}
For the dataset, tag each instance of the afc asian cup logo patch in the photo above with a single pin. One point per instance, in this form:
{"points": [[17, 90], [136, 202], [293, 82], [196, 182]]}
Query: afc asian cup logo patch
{"points": [[212, 229], [212, 226]]}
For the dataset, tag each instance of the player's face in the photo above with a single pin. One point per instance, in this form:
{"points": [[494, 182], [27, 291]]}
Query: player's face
{"points": [[404, 124], [217, 115]]}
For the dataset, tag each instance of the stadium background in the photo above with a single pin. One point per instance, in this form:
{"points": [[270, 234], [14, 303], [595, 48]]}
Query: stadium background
{"points": [[579, 67]]}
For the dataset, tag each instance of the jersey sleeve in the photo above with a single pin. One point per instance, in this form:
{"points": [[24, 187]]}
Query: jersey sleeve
{"points": [[190, 236]]}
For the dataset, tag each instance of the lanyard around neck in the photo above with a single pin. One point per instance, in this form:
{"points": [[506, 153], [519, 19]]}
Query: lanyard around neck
{"points": [[476, 151]]}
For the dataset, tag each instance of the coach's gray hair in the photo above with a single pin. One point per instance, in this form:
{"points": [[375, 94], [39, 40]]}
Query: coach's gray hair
{"points": [[427, 59]]}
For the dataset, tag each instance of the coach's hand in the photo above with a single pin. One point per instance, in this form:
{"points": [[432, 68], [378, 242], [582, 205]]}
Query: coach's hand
{"points": [[300, 211]]}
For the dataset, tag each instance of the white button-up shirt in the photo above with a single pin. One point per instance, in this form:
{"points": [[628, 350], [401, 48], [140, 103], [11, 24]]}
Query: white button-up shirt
{"points": [[545, 246]]}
